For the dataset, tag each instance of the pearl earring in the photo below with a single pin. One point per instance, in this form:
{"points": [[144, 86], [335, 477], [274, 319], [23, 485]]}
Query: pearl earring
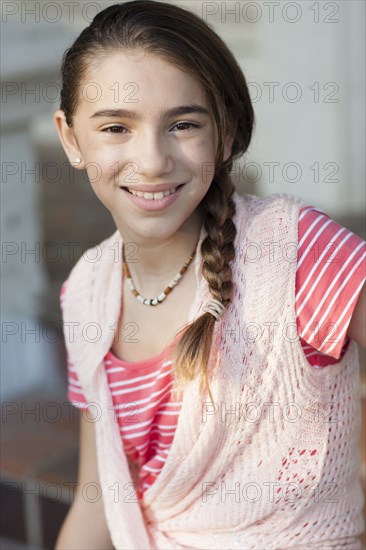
{"points": [[78, 161]]}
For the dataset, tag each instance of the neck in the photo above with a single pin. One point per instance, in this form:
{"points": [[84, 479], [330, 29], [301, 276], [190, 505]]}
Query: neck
{"points": [[154, 262]]}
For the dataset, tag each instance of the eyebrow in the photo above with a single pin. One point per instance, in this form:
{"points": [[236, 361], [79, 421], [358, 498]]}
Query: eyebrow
{"points": [[176, 111]]}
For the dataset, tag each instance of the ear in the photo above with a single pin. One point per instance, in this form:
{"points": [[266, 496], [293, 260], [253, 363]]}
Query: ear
{"points": [[68, 140]]}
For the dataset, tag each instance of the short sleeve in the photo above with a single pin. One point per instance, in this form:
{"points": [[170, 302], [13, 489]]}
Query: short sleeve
{"points": [[74, 392], [329, 278]]}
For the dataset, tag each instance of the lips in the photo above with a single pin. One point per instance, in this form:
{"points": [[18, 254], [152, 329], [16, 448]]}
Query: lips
{"points": [[153, 204]]}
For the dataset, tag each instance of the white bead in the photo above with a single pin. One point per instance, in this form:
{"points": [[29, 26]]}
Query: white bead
{"points": [[140, 299]]}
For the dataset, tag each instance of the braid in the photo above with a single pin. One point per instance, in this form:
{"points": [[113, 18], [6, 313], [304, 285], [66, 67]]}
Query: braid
{"points": [[191, 354]]}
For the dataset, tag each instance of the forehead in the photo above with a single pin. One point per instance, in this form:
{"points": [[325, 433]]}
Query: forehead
{"points": [[138, 80]]}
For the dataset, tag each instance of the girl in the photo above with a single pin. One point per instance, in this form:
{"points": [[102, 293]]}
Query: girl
{"points": [[219, 409]]}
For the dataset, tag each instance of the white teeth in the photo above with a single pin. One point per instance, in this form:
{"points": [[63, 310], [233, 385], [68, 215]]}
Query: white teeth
{"points": [[153, 196]]}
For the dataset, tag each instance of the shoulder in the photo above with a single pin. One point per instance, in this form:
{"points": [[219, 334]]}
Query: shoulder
{"points": [[270, 216], [317, 227], [275, 202]]}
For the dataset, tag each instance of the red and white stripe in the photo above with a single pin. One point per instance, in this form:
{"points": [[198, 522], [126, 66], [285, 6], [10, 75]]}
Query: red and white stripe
{"points": [[330, 275]]}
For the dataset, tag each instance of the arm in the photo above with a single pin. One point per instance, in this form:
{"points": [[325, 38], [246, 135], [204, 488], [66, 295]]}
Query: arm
{"points": [[85, 525], [357, 327]]}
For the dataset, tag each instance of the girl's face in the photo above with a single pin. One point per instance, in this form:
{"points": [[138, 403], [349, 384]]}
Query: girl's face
{"points": [[143, 123]]}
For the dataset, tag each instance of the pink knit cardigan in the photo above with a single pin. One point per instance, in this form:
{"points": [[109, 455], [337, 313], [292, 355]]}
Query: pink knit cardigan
{"points": [[274, 462]]}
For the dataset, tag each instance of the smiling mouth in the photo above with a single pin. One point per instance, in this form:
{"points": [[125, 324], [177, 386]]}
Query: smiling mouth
{"points": [[153, 196]]}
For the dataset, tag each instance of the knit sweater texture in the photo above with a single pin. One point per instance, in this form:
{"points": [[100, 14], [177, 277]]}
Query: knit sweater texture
{"points": [[274, 462]]}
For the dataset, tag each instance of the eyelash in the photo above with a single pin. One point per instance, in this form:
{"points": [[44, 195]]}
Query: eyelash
{"points": [[122, 128]]}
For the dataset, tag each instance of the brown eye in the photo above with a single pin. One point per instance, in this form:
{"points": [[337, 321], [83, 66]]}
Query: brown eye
{"points": [[114, 129], [186, 124]]}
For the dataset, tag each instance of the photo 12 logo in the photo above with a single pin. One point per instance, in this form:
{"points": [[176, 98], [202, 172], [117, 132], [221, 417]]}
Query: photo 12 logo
{"points": [[270, 12]]}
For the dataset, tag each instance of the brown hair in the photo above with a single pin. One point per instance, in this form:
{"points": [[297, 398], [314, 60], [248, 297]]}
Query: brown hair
{"points": [[183, 39]]}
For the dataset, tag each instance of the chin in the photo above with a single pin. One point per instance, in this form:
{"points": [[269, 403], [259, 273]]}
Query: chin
{"points": [[153, 229]]}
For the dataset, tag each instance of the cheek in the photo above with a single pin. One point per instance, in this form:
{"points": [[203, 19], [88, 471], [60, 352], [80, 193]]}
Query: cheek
{"points": [[202, 159], [101, 168], [97, 152], [200, 146]]}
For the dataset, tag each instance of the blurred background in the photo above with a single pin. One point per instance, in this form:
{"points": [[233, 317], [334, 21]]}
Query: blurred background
{"points": [[305, 67]]}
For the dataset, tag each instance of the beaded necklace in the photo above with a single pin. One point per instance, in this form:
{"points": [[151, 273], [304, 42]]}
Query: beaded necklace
{"points": [[159, 299]]}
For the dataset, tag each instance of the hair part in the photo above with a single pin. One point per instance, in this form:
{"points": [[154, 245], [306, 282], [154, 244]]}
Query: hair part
{"points": [[156, 28]]}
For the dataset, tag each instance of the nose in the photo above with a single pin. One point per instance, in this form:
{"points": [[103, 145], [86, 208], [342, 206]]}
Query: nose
{"points": [[152, 154]]}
